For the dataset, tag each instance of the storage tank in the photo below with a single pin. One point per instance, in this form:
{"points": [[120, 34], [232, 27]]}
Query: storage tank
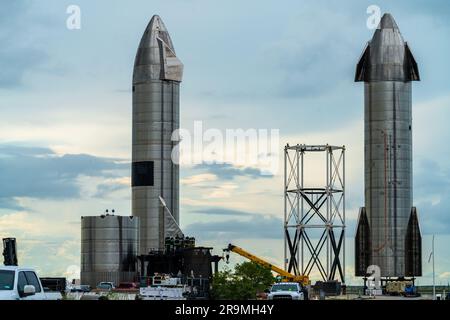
{"points": [[109, 246]]}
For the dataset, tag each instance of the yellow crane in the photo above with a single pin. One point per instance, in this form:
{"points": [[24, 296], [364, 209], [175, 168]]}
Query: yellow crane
{"points": [[286, 276]]}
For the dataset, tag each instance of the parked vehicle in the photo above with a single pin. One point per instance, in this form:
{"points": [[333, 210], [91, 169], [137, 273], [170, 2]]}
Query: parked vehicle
{"points": [[131, 287], [81, 288], [402, 288], [411, 291], [105, 286], [54, 284], [286, 290], [163, 287], [18, 283]]}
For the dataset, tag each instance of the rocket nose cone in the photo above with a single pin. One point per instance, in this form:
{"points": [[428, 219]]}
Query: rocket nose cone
{"points": [[387, 33], [387, 57], [156, 29], [154, 24], [387, 22], [156, 57]]}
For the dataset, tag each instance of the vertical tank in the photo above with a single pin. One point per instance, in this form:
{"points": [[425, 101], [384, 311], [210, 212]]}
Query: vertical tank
{"points": [[387, 68], [156, 94], [109, 246]]}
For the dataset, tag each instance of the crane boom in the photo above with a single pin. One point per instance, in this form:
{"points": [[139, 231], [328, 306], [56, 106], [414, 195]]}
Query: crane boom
{"points": [[286, 275]]}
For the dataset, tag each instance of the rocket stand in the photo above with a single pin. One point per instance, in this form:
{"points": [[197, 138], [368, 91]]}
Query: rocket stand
{"points": [[314, 217]]}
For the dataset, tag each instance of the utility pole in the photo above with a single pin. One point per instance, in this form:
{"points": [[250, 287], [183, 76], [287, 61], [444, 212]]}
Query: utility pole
{"points": [[434, 283]]}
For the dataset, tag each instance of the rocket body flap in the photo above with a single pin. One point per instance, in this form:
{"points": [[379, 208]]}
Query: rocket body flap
{"points": [[362, 244], [413, 245]]}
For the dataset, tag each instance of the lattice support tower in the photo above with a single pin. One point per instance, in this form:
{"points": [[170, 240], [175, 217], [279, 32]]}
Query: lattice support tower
{"points": [[314, 217]]}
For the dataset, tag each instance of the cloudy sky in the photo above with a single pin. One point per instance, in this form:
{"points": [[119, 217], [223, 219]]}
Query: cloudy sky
{"points": [[65, 124]]}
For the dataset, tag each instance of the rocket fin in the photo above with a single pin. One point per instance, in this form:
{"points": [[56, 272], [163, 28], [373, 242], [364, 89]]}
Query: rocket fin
{"points": [[172, 67], [413, 246], [362, 66], [363, 246], [411, 68]]}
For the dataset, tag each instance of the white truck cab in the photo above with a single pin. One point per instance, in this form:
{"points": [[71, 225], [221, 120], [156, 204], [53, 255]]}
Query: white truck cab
{"points": [[286, 290], [19, 283]]}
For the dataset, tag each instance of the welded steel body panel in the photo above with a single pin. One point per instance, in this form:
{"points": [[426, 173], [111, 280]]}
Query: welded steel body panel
{"points": [[109, 246], [387, 67], [156, 93]]}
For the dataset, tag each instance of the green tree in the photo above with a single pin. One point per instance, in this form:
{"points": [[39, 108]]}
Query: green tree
{"points": [[247, 279]]}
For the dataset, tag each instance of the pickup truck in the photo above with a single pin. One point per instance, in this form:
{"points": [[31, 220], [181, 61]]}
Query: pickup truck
{"points": [[18, 283], [286, 291]]}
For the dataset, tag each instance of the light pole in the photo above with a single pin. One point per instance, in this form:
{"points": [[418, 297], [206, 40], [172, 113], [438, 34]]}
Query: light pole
{"points": [[434, 281], [434, 273]]}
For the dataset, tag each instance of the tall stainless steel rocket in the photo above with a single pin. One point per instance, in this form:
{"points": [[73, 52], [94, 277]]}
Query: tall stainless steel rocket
{"points": [[388, 233], [156, 96]]}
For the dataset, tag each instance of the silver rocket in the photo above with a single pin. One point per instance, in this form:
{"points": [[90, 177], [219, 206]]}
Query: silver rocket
{"points": [[156, 97], [388, 233]]}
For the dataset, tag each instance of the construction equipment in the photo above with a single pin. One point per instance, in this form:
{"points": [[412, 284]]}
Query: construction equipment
{"points": [[401, 288], [286, 276]]}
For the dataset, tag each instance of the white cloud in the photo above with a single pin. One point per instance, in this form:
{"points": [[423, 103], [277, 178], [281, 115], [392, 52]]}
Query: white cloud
{"points": [[195, 180], [430, 129], [93, 130], [22, 223], [223, 191]]}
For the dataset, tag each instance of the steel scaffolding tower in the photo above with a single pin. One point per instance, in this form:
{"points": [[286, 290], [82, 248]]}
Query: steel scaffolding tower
{"points": [[314, 217]]}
